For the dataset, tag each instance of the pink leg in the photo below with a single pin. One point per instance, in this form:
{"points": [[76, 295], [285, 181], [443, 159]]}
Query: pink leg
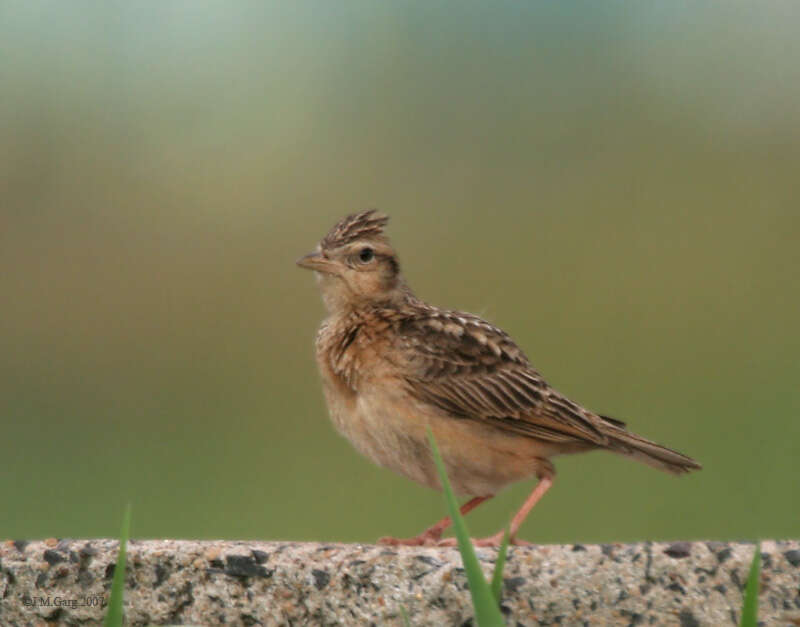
{"points": [[545, 483], [432, 535], [538, 492]]}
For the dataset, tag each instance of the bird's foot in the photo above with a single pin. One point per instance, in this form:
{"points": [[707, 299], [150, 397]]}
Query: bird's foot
{"points": [[426, 538], [495, 540]]}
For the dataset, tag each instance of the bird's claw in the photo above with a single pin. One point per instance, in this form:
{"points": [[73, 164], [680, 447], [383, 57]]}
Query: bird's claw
{"points": [[423, 539], [491, 541]]}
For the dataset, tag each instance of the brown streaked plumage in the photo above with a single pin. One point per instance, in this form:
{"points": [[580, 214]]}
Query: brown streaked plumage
{"points": [[392, 366]]}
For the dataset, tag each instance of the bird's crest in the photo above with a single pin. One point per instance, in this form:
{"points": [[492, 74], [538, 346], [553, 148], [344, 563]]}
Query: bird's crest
{"points": [[365, 224]]}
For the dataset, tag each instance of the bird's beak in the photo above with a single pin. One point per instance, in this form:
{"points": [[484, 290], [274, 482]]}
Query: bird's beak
{"points": [[317, 261]]}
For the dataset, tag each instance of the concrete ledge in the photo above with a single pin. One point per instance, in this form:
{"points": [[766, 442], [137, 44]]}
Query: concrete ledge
{"points": [[268, 583]]}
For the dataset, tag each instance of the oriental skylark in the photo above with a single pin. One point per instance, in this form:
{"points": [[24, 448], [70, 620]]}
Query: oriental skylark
{"points": [[393, 366]]}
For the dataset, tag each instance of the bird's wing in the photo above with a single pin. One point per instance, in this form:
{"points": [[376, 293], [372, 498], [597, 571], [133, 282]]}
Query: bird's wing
{"points": [[469, 368]]}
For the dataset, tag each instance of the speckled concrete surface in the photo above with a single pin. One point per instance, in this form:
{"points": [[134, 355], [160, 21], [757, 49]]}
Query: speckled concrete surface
{"points": [[271, 583]]}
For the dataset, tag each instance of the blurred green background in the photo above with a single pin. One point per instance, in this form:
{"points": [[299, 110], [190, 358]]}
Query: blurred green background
{"points": [[614, 184]]}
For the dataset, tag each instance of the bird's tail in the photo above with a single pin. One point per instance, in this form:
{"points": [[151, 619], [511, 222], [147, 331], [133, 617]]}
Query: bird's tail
{"points": [[629, 444]]}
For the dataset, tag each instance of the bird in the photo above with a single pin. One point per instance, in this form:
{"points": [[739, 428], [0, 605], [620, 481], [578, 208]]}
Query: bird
{"points": [[394, 367]]}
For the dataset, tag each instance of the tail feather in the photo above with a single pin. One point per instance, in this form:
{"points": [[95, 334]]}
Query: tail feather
{"points": [[646, 451]]}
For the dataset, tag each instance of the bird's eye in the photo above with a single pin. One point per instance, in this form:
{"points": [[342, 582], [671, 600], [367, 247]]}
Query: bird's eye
{"points": [[366, 255]]}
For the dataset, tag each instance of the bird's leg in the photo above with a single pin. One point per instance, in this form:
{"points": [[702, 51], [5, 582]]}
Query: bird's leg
{"points": [[538, 492], [433, 534], [545, 483]]}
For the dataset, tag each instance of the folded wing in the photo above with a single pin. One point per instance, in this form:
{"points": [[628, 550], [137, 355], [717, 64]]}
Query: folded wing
{"points": [[470, 369]]}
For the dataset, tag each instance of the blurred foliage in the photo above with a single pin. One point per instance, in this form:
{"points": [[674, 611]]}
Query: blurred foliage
{"points": [[750, 600], [614, 184], [486, 597], [115, 613]]}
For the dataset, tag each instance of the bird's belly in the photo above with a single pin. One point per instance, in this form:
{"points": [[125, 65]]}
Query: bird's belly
{"points": [[390, 429]]}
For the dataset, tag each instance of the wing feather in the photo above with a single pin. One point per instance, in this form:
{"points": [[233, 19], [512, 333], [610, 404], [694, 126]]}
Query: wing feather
{"points": [[471, 369]]}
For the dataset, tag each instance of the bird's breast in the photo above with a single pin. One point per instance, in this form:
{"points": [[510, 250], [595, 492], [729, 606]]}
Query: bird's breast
{"points": [[389, 427]]}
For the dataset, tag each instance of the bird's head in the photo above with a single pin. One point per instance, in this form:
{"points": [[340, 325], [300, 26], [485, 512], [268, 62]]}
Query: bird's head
{"points": [[354, 263]]}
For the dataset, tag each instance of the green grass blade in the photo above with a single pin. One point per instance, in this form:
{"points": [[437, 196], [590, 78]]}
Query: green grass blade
{"points": [[750, 605], [114, 614], [404, 614], [497, 576], [487, 613]]}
